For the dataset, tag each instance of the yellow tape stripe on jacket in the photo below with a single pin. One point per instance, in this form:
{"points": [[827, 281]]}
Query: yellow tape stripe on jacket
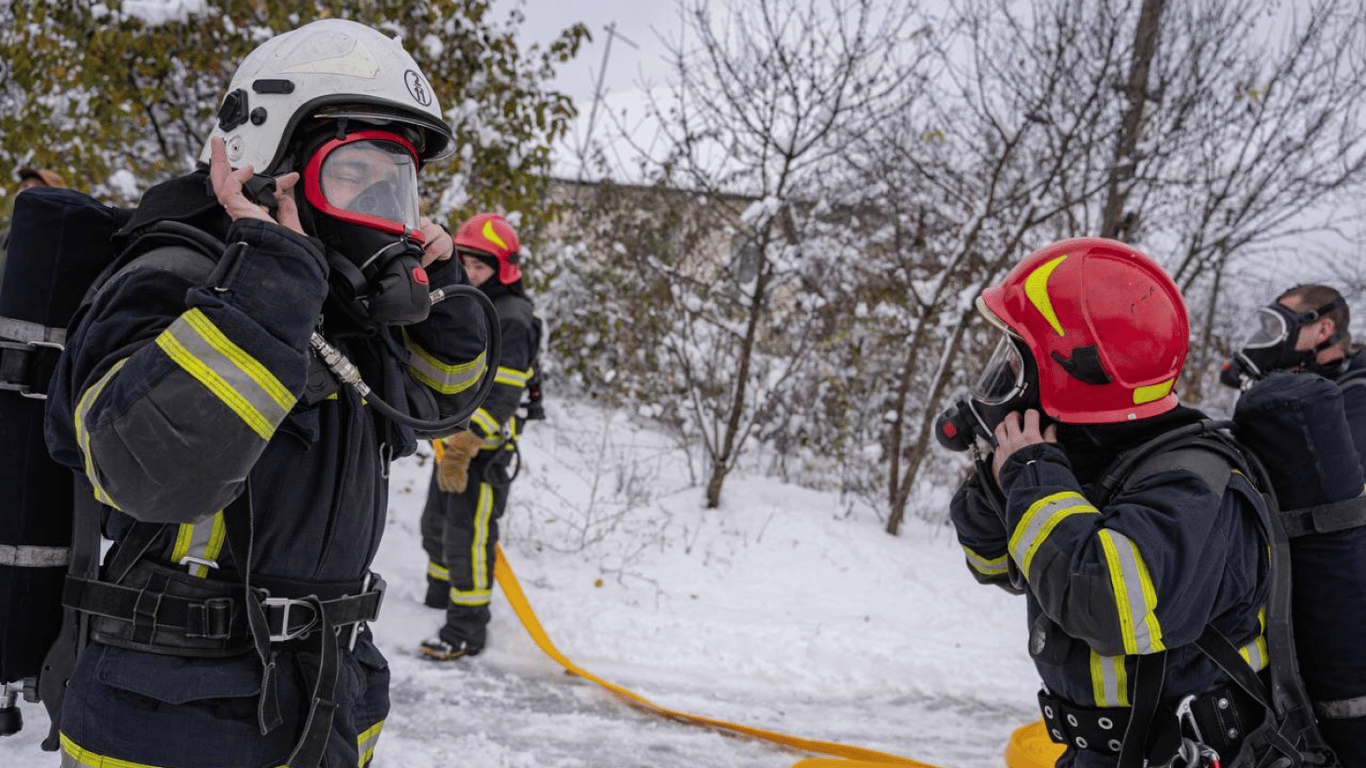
{"points": [[512, 590]]}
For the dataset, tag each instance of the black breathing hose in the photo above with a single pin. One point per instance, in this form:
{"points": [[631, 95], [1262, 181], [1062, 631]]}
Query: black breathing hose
{"points": [[348, 374]]}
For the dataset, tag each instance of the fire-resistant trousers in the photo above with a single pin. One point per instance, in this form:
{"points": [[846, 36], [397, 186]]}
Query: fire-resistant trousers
{"points": [[459, 533]]}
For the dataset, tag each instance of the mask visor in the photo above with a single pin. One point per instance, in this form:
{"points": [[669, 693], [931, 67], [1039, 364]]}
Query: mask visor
{"points": [[369, 179], [1003, 378], [1269, 329]]}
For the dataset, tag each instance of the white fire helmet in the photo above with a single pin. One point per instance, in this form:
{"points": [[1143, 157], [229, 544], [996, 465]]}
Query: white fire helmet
{"points": [[328, 69]]}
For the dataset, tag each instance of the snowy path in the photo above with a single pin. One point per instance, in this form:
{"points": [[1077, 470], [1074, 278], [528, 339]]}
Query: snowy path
{"points": [[483, 716]]}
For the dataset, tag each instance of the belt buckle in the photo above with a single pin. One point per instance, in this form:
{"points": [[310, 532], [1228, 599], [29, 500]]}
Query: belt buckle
{"points": [[373, 583], [286, 605], [191, 562]]}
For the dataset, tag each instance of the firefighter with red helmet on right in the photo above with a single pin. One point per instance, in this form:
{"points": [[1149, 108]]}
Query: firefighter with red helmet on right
{"points": [[470, 480], [1119, 589]]}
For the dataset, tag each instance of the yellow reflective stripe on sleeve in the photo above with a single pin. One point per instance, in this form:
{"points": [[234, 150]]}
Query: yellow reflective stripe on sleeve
{"points": [[199, 542], [244, 385], [75, 756], [993, 567], [511, 377], [438, 571], [1109, 680], [479, 560], [446, 379], [486, 422], [1135, 598], [83, 434], [365, 743], [1040, 520], [493, 431]]}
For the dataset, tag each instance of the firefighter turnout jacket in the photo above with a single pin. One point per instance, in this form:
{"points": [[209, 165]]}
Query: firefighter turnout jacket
{"points": [[193, 401], [1170, 554]]}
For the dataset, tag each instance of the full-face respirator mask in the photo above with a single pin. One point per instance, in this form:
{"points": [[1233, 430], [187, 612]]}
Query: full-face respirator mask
{"points": [[361, 196], [1008, 382], [1271, 344]]}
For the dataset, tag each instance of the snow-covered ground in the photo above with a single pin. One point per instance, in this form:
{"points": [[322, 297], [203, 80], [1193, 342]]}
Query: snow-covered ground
{"points": [[786, 609]]}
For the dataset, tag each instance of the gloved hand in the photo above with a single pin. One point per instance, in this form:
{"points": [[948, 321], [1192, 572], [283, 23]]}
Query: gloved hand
{"points": [[453, 470]]}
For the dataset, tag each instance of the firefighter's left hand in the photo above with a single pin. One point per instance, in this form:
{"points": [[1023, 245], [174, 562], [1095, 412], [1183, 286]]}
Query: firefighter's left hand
{"points": [[439, 246], [453, 471], [1014, 433]]}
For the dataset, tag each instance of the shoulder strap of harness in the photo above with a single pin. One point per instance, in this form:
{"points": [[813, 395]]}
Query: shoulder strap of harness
{"points": [[1355, 377], [1204, 448]]}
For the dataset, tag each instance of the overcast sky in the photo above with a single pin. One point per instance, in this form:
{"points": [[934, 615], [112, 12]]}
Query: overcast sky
{"points": [[642, 22]]}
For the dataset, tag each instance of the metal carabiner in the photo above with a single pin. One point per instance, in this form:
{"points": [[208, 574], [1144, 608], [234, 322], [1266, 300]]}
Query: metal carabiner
{"points": [[1194, 750]]}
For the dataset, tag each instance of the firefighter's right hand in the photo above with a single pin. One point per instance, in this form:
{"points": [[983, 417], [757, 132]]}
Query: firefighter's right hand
{"points": [[1015, 432], [227, 186], [453, 470]]}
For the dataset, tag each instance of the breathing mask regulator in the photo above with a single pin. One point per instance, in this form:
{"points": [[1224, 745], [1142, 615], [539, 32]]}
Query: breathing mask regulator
{"points": [[1271, 345], [1008, 382]]}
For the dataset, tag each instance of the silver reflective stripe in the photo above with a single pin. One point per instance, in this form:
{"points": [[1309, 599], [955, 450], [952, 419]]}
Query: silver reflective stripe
{"points": [[1109, 680], [1135, 598], [479, 548], [1342, 709], [25, 332], [366, 740], [1255, 653], [233, 376], [83, 435], [1039, 520], [33, 557], [446, 379], [437, 571], [982, 565]]}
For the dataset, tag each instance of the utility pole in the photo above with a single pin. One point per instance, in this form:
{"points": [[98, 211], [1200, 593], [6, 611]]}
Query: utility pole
{"points": [[597, 92]]}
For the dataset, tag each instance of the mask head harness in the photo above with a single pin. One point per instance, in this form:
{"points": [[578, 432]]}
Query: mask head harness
{"points": [[361, 199], [1271, 345]]}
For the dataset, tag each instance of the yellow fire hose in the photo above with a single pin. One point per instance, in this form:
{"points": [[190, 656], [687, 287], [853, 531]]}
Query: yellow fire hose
{"points": [[850, 757], [1029, 746]]}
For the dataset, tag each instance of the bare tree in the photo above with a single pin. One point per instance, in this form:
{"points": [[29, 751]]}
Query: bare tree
{"points": [[766, 96]]}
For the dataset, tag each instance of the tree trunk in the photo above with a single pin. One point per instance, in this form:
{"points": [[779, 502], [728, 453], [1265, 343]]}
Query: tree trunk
{"points": [[721, 462], [1116, 224]]}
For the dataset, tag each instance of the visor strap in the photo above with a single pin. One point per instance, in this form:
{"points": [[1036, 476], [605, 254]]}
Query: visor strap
{"points": [[1330, 341], [1315, 314]]}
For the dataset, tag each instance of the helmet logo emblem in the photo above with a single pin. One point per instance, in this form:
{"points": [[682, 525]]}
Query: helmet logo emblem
{"points": [[418, 88], [492, 236], [1036, 288]]}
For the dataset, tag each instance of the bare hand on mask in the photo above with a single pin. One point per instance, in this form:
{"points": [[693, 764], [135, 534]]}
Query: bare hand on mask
{"points": [[227, 187], [1012, 435], [439, 245]]}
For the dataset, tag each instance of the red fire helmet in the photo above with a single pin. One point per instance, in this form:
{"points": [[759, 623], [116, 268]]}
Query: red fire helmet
{"points": [[1106, 325], [490, 235]]}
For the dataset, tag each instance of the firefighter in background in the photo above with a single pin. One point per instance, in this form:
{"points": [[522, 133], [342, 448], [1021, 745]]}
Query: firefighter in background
{"points": [[1307, 329], [470, 480], [244, 484], [1094, 335]]}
